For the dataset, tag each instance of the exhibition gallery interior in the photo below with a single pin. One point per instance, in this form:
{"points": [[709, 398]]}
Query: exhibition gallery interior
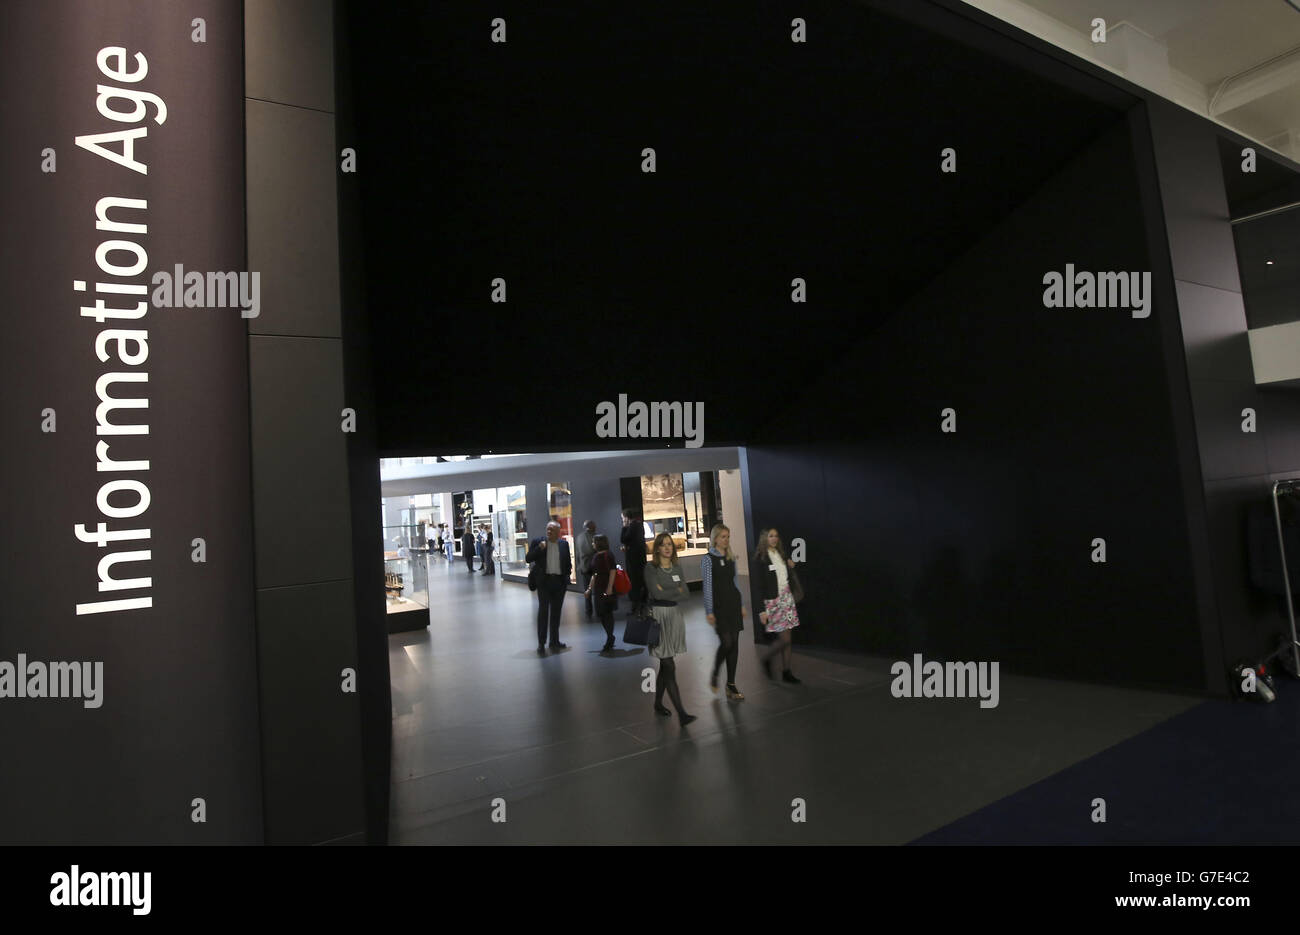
{"points": [[927, 373]]}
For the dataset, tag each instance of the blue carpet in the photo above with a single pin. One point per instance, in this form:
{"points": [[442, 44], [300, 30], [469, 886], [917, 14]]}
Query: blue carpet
{"points": [[1220, 773]]}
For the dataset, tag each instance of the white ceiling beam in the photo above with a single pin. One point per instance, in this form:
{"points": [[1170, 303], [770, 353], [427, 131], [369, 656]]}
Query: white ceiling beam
{"points": [[1128, 51], [1135, 57], [1279, 74]]}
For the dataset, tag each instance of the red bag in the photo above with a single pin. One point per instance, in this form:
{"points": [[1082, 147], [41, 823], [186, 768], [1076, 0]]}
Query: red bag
{"points": [[622, 583]]}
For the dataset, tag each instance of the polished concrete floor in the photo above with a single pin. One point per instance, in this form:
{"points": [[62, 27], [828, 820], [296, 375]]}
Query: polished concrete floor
{"points": [[568, 744]]}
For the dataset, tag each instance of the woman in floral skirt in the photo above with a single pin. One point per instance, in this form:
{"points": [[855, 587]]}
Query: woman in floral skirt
{"points": [[773, 568]]}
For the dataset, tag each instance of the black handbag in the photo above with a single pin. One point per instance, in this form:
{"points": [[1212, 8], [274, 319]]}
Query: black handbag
{"points": [[641, 630], [796, 587]]}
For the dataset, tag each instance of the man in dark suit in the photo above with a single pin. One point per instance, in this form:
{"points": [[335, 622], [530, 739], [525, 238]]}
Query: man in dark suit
{"points": [[467, 547], [549, 577]]}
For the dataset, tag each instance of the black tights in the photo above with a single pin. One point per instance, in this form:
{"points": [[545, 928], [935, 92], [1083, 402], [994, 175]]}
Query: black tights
{"points": [[668, 680], [605, 610], [781, 646], [729, 650]]}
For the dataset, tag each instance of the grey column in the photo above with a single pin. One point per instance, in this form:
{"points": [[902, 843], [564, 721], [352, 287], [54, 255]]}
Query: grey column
{"points": [[302, 524]]}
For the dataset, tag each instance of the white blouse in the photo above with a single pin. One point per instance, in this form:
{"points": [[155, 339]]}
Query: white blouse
{"points": [[782, 575]]}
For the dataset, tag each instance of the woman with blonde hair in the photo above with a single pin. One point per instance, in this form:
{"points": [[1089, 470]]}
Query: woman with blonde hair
{"points": [[723, 607], [666, 586], [773, 571]]}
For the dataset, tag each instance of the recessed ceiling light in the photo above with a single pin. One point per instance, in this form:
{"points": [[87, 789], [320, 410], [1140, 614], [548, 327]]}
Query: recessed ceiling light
{"points": [[1268, 262]]}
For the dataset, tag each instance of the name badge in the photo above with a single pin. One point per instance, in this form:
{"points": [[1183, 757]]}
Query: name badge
{"points": [[677, 578]]}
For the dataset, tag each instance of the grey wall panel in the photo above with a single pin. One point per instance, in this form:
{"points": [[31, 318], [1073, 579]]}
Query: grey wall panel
{"points": [[310, 727], [1226, 451], [289, 52], [300, 479], [293, 219], [599, 500], [1196, 214], [1214, 333]]}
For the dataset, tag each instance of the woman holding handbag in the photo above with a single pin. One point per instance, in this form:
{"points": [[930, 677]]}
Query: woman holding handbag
{"points": [[666, 587], [775, 574], [602, 587]]}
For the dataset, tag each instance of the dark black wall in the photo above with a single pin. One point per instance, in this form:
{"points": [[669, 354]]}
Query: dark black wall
{"points": [[976, 545], [776, 160]]}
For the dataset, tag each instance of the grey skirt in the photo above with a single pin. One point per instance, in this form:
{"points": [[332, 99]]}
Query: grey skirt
{"points": [[672, 632]]}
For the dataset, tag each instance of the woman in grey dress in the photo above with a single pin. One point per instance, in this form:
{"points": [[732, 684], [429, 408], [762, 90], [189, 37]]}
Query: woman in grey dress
{"points": [[666, 586]]}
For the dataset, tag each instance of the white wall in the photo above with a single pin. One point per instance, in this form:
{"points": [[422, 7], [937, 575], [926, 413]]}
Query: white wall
{"points": [[733, 514]]}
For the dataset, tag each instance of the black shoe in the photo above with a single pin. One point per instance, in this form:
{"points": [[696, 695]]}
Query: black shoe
{"points": [[713, 682], [788, 676], [559, 646], [662, 711], [608, 648], [541, 649], [687, 718]]}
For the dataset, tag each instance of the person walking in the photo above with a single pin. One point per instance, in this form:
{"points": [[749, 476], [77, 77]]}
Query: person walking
{"points": [[723, 606], [549, 577], [634, 561], [585, 547], [449, 540], [666, 587], [600, 589], [467, 547], [772, 569]]}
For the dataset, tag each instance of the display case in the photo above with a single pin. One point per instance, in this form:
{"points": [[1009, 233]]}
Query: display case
{"points": [[511, 531], [671, 503], [406, 569]]}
